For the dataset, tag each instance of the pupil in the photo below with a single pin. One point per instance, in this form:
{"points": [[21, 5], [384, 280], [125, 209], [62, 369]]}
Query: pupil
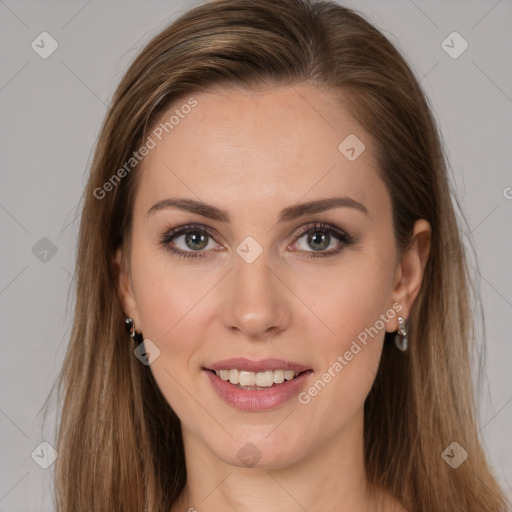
{"points": [[323, 239], [196, 239]]}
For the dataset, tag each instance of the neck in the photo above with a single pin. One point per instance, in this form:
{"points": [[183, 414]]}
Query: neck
{"points": [[331, 477]]}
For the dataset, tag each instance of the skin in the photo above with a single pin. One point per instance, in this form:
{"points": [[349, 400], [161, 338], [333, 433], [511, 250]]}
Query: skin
{"points": [[252, 154]]}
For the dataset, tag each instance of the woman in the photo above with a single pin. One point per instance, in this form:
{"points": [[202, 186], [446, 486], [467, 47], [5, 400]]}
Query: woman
{"points": [[268, 214]]}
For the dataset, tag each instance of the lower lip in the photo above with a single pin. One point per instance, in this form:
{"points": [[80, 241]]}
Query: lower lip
{"points": [[258, 400]]}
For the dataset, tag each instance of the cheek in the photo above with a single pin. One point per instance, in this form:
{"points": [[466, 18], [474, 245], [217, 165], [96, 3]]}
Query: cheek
{"points": [[352, 300], [166, 291], [352, 308], [349, 358], [169, 304]]}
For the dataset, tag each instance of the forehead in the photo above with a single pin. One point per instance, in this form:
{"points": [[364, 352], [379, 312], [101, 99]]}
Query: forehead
{"points": [[275, 144]]}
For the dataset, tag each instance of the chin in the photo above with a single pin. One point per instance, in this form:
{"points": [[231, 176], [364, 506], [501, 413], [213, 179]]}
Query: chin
{"points": [[261, 450]]}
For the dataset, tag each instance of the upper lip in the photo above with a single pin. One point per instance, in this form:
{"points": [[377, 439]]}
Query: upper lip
{"points": [[248, 365]]}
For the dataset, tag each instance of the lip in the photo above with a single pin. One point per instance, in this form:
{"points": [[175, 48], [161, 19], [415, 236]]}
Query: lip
{"points": [[248, 365], [258, 400]]}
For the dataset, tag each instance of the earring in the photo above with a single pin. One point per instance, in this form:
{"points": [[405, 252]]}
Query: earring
{"points": [[401, 336], [130, 327]]}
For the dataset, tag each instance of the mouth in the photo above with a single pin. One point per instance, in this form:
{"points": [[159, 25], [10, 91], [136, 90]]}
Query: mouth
{"points": [[256, 385]]}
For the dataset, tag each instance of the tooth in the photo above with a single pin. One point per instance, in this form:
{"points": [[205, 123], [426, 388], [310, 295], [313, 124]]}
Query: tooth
{"points": [[247, 378], [265, 379], [234, 376], [288, 374], [278, 376], [261, 379]]}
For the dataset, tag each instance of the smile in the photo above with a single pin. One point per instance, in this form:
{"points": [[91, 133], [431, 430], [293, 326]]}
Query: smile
{"points": [[256, 385]]}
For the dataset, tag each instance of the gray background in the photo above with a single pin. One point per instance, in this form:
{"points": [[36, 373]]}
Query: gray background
{"points": [[50, 114]]}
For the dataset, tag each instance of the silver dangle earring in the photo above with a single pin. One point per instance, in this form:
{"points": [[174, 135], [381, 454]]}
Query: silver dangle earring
{"points": [[130, 327], [401, 336]]}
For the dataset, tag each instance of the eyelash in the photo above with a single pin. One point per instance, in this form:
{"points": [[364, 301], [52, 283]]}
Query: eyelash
{"points": [[317, 227]]}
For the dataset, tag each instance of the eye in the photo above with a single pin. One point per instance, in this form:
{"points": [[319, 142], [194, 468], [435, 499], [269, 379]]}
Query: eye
{"points": [[193, 240], [320, 237], [190, 240]]}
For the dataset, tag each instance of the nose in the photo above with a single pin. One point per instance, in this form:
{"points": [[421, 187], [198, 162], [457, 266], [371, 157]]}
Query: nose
{"points": [[256, 304]]}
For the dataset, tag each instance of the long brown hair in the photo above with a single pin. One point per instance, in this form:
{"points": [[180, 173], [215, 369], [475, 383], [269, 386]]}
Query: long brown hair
{"points": [[119, 442]]}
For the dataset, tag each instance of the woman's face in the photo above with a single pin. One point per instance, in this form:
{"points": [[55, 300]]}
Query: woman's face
{"points": [[264, 285]]}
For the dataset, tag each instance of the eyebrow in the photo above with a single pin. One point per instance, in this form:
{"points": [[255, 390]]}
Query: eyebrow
{"points": [[287, 214]]}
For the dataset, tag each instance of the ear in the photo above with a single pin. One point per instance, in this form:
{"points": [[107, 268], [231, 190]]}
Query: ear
{"points": [[125, 287], [409, 271]]}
